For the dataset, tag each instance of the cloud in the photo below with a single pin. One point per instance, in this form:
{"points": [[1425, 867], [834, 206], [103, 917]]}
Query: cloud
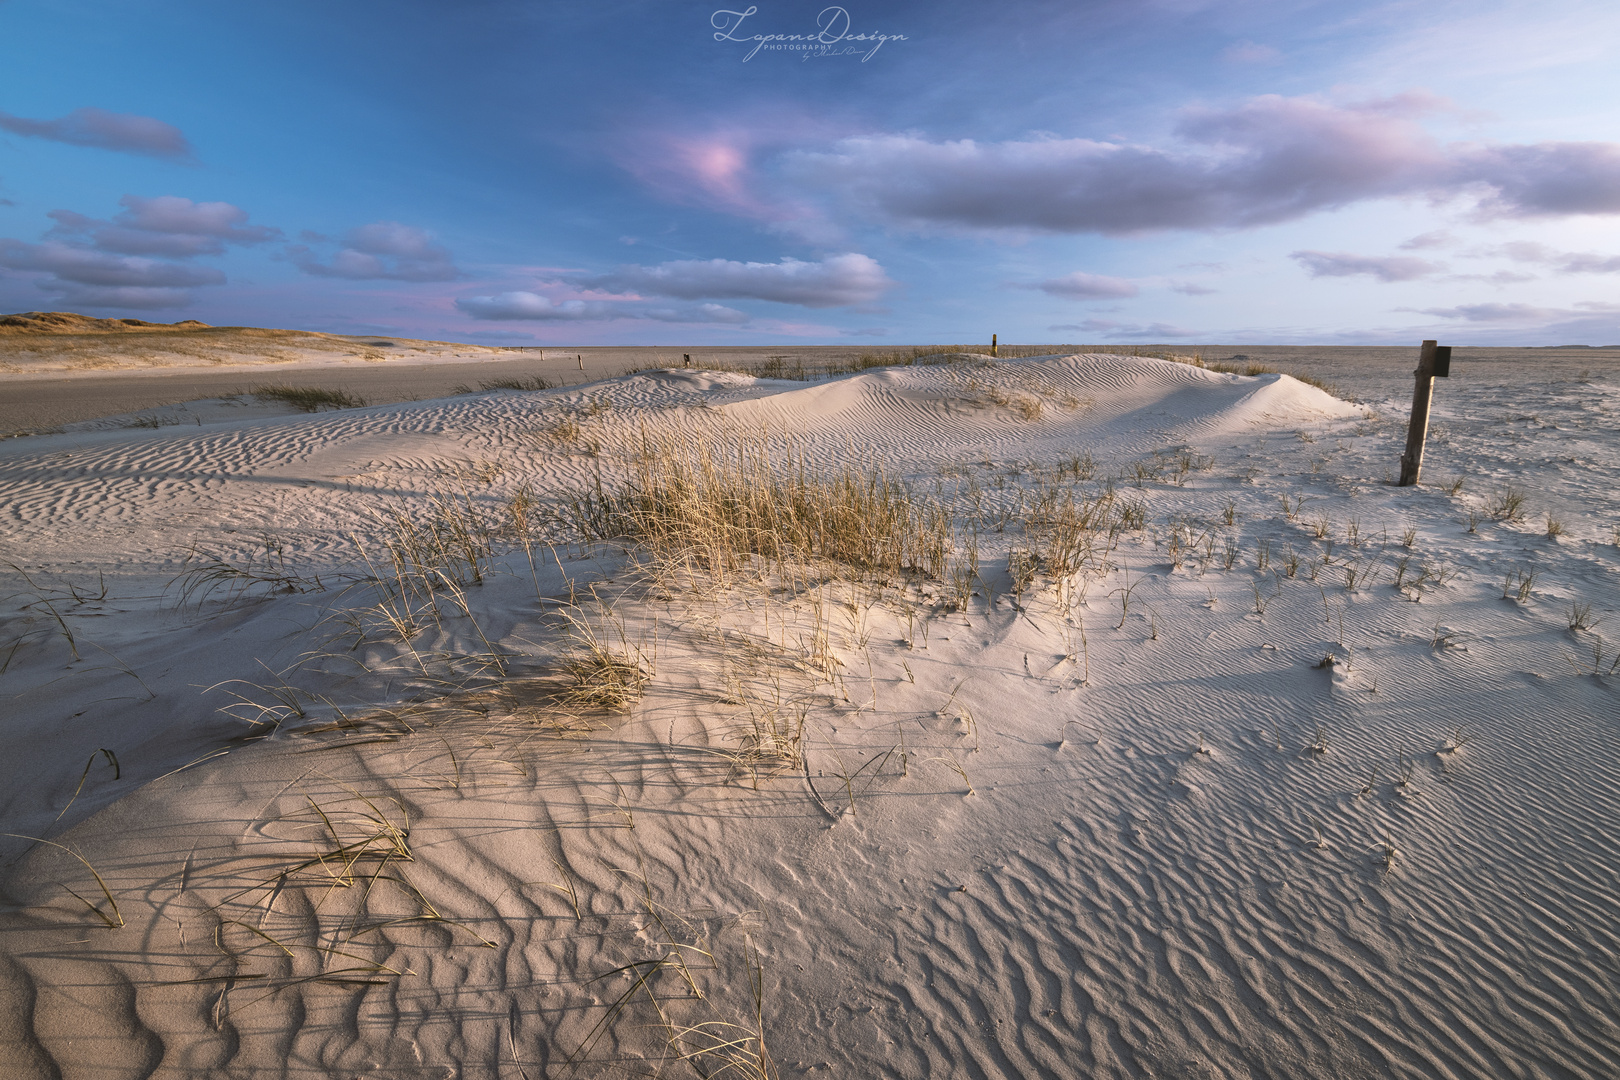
{"points": [[167, 225], [1083, 286], [1192, 288], [1566, 262], [702, 313], [834, 281], [1547, 178], [85, 267], [1384, 268], [1493, 312], [715, 168], [122, 296], [1271, 159], [86, 278], [381, 251], [106, 131], [867, 331], [1109, 328], [1437, 238], [533, 307]]}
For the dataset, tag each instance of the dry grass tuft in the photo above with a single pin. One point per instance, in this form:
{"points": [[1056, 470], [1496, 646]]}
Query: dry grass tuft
{"points": [[713, 507], [308, 398]]}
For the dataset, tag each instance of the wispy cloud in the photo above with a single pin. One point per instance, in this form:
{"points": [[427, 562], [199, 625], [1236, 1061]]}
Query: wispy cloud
{"points": [[381, 251], [1433, 239], [1531, 324], [1383, 267], [1519, 313], [836, 281], [104, 130], [1083, 286], [1564, 262], [534, 307], [1129, 331]]}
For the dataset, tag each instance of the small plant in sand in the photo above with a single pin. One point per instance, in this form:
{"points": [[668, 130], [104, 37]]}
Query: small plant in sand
{"points": [[1404, 766], [1600, 657], [1369, 785], [1580, 616], [531, 382], [1555, 527], [308, 398], [600, 675], [1387, 854], [1517, 585], [1460, 737], [112, 917], [262, 569], [1506, 506]]}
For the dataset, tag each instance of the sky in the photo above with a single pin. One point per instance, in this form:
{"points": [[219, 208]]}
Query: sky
{"points": [[883, 174]]}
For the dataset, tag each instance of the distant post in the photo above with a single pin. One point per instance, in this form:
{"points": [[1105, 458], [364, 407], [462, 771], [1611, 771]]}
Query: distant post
{"points": [[581, 359], [1434, 360], [993, 345]]}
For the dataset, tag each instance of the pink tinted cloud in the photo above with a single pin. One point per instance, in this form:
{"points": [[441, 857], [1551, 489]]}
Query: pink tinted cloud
{"points": [[727, 168]]}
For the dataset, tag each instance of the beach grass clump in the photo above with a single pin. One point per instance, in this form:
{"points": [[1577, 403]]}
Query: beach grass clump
{"points": [[717, 505], [601, 678], [1236, 367], [531, 382], [1507, 506], [308, 398], [263, 570]]}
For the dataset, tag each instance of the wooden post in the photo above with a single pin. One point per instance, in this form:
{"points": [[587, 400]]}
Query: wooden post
{"points": [[992, 345], [581, 361], [1412, 460]]}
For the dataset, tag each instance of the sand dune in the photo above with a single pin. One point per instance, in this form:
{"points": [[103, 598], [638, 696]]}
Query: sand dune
{"points": [[1299, 774], [56, 343]]}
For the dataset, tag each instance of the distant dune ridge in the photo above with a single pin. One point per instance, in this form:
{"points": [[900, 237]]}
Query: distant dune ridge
{"points": [[69, 322], [50, 343]]}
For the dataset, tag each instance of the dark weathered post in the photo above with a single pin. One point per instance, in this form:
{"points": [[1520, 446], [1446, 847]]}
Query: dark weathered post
{"points": [[581, 358], [992, 345], [1433, 360]]}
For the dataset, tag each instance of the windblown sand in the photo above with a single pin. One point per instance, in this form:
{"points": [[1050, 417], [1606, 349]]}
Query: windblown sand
{"points": [[1303, 775]]}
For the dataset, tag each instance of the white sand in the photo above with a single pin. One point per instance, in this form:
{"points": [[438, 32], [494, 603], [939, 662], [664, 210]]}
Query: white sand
{"points": [[1155, 873]]}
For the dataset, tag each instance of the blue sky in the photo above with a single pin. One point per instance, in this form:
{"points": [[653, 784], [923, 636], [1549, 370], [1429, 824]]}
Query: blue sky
{"points": [[1128, 171]]}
